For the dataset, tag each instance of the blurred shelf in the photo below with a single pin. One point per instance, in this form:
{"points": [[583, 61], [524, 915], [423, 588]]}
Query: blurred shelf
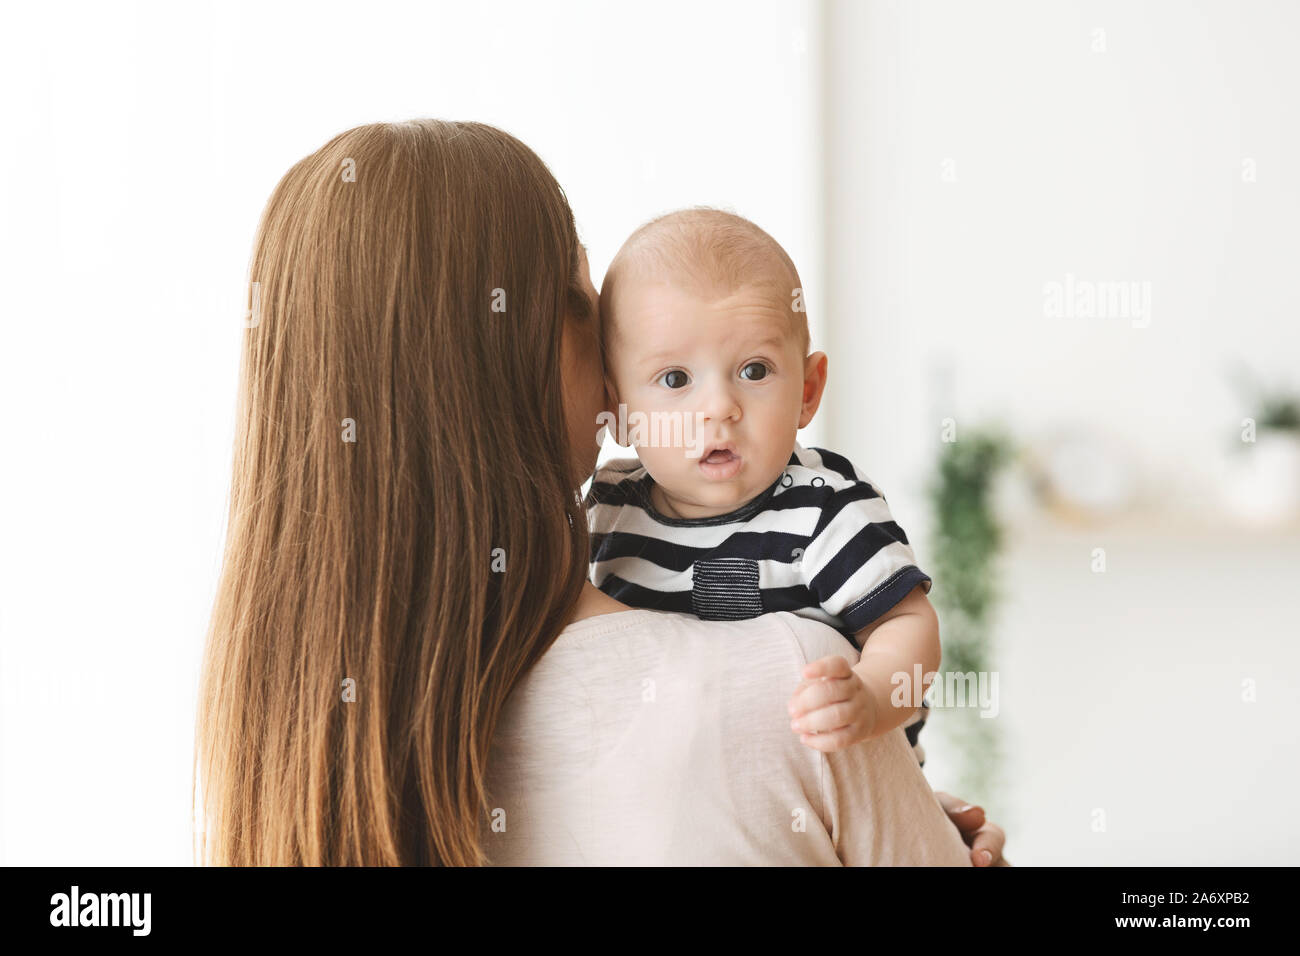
{"points": [[1163, 527]]}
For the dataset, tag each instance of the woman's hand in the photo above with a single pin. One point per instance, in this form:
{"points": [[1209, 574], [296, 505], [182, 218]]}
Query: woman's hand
{"points": [[985, 839]]}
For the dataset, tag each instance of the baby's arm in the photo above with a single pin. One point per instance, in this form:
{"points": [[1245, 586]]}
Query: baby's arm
{"points": [[837, 706]]}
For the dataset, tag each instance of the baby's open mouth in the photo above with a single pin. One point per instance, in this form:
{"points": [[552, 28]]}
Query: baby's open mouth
{"points": [[720, 463]]}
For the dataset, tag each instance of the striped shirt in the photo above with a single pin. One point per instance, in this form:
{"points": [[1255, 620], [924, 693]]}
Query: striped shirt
{"points": [[819, 542]]}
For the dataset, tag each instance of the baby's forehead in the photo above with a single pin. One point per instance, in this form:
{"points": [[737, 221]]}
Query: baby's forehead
{"points": [[684, 286], [657, 315], [691, 306]]}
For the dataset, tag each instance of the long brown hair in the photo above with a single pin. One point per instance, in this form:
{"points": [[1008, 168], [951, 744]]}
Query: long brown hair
{"points": [[403, 513]]}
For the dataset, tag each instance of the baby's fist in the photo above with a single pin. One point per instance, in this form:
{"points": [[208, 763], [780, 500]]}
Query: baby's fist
{"points": [[832, 709]]}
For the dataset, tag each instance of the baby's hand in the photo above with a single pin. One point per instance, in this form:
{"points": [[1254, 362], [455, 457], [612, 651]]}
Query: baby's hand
{"points": [[832, 708]]}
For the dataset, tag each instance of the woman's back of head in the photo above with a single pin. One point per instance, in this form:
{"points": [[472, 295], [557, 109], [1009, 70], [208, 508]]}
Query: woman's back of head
{"points": [[404, 541]]}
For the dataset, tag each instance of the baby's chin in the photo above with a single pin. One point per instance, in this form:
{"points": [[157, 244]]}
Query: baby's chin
{"points": [[701, 498]]}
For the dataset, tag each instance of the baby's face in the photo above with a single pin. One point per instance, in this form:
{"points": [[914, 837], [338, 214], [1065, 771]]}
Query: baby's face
{"points": [[729, 366]]}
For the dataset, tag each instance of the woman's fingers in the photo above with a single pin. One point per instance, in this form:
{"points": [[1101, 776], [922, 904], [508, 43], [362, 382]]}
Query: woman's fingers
{"points": [[949, 802], [985, 839], [966, 817], [986, 850]]}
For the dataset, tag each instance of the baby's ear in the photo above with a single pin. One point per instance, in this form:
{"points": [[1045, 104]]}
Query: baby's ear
{"points": [[814, 385], [619, 430]]}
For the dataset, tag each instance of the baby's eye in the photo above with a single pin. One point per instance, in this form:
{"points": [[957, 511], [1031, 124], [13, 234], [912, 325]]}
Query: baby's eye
{"points": [[675, 378], [759, 374]]}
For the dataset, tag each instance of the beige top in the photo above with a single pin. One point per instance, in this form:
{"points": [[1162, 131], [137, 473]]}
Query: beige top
{"points": [[644, 737]]}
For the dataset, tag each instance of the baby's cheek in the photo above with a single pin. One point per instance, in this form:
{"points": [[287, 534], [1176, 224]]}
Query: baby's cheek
{"points": [[665, 464]]}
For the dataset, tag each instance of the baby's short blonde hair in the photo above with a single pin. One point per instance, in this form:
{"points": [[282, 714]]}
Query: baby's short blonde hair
{"points": [[709, 248]]}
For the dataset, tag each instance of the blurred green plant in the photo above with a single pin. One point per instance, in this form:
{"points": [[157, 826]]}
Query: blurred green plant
{"points": [[1275, 409], [1278, 411], [965, 543]]}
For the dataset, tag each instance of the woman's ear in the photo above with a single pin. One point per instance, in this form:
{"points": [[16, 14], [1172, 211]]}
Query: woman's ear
{"points": [[814, 385]]}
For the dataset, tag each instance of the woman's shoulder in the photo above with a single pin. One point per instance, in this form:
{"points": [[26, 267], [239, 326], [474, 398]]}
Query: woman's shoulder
{"points": [[676, 726], [780, 634], [815, 639], [732, 667]]}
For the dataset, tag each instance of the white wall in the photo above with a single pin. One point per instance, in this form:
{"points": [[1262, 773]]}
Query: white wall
{"points": [[1117, 165], [140, 142], [1121, 691]]}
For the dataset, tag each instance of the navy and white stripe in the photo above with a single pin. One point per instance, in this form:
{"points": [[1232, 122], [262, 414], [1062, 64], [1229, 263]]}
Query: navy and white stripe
{"points": [[819, 542]]}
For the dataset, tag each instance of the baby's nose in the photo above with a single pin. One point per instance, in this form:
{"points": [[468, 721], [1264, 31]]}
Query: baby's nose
{"points": [[722, 409]]}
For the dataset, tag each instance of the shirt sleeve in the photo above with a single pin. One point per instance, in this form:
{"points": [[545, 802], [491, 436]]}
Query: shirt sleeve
{"points": [[859, 563], [609, 485], [882, 810]]}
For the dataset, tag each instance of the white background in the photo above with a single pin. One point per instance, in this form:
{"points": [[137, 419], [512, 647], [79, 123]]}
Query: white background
{"points": [[140, 141]]}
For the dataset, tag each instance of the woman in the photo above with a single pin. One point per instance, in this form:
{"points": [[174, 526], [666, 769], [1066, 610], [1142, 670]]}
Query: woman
{"points": [[406, 562]]}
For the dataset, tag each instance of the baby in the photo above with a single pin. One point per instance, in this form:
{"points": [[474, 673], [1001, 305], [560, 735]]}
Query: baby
{"points": [[704, 329]]}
